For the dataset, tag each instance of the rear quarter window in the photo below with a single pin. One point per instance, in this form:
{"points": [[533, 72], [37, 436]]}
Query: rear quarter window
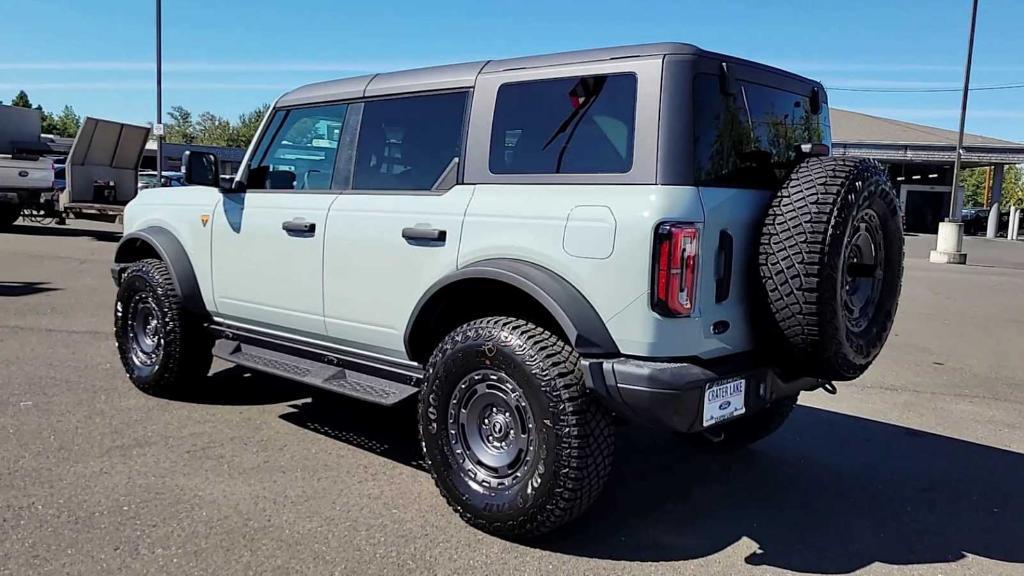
{"points": [[575, 125]]}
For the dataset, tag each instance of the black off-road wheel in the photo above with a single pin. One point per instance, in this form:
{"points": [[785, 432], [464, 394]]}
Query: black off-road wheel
{"points": [[511, 437], [744, 431], [162, 348], [831, 265]]}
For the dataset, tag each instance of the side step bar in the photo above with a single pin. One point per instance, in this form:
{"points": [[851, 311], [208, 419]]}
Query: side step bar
{"points": [[333, 378]]}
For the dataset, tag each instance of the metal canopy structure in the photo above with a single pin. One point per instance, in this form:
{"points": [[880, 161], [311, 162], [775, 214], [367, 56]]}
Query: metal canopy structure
{"points": [[105, 151], [856, 134]]}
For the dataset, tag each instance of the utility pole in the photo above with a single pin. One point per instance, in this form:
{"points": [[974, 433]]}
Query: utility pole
{"points": [[987, 199], [949, 244], [158, 128]]}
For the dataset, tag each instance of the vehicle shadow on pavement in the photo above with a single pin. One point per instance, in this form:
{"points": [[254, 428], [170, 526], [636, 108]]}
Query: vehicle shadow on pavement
{"points": [[382, 430], [237, 386], [65, 231], [829, 493], [15, 289]]}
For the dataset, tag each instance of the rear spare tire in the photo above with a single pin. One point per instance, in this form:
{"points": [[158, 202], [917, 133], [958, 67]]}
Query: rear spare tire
{"points": [[831, 264]]}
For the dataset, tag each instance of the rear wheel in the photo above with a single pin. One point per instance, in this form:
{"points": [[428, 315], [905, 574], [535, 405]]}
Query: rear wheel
{"points": [[162, 348], [511, 437]]}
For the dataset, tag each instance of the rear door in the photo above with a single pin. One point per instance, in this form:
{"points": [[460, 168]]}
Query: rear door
{"points": [[745, 142], [397, 229], [268, 242]]}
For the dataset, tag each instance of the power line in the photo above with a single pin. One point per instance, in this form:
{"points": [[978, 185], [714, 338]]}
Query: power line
{"points": [[927, 90]]}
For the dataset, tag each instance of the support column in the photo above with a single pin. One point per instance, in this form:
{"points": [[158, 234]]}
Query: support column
{"points": [[949, 244], [997, 195], [1011, 233]]}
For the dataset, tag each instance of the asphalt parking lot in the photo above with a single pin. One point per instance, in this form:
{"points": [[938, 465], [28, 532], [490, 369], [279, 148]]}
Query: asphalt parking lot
{"points": [[916, 468]]}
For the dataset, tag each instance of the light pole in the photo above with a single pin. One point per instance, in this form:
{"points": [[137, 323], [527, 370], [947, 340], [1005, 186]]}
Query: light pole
{"points": [[950, 241], [159, 127]]}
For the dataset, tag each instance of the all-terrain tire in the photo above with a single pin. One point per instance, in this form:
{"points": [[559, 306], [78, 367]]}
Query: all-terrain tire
{"points": [[746, 430], [568, 453], [162, 347], [833, 309]]}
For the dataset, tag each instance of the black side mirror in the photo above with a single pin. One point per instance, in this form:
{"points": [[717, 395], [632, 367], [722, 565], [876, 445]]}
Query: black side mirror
{"points": [[201, 168]]}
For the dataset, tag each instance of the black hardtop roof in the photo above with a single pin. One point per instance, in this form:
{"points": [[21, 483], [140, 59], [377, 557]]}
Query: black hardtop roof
{"points": [[464, 75]]}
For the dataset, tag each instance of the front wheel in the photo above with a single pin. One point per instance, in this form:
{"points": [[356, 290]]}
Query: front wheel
{"points": [[162, 348], [511, 437]]}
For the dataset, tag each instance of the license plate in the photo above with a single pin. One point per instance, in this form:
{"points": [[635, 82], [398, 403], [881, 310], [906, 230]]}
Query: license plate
{"points": [[724, 400]]}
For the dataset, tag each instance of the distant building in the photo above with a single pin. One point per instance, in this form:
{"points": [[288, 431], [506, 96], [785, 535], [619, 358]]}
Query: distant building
{"points": [[230, 158], [920, 160]]}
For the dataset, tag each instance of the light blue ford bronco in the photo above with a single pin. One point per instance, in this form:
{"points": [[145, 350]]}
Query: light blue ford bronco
{"points": [[528, 247]]}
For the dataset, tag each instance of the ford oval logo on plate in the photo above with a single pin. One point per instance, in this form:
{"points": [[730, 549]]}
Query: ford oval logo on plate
{"points": [[23, 173], [724, 405]]}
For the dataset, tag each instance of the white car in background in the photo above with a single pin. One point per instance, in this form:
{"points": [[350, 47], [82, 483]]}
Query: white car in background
{"points": [[150, 179]]}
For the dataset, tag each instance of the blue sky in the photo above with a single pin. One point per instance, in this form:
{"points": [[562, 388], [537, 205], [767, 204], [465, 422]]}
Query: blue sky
{"points": [[228, 56]]}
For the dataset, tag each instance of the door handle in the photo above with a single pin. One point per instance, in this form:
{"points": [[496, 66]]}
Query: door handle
{"points": [[297, 226], [430, 234]]}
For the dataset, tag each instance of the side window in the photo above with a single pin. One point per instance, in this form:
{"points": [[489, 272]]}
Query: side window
{"points": [[748, 139], [298, 149], [408, 143], [581, 125]]}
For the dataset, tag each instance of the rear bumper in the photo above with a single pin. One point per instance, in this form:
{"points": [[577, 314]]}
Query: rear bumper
{"points": [[8, 197], [671, 395]]}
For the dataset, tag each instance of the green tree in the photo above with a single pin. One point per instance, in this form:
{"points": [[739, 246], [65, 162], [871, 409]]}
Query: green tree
{"points": [[1013, 186], [213, 130], [65, 124], [181, 129], [973, 181], [21, 100], [248, 124]]}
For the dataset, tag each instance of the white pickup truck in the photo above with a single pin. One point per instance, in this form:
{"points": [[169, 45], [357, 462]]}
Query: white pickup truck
{"points": [[102, 175], [22, 180]]}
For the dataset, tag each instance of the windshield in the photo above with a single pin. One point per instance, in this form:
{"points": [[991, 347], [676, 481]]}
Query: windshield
{"points": [[748, 139]]}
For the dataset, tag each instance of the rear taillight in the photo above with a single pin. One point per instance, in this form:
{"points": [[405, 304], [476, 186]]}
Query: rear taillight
{"points": [[675, 269]]}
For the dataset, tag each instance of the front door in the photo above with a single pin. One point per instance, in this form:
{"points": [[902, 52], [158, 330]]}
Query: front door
{"points": [[268, 242]]}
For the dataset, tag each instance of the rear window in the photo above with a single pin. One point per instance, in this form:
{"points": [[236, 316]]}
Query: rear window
{"points": [[748, 139], [578, 125], [408, 143]]}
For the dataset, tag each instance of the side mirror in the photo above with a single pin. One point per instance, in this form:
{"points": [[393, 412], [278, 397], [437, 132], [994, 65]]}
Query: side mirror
{"points": [[201, 168]]}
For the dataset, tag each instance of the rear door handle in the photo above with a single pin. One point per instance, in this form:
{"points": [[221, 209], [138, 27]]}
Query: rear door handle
{"points": [[430, 234], [298, 226], [723, 267]]}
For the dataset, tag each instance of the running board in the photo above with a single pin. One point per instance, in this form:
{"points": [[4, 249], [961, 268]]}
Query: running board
{"points": [[333, 378]]}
